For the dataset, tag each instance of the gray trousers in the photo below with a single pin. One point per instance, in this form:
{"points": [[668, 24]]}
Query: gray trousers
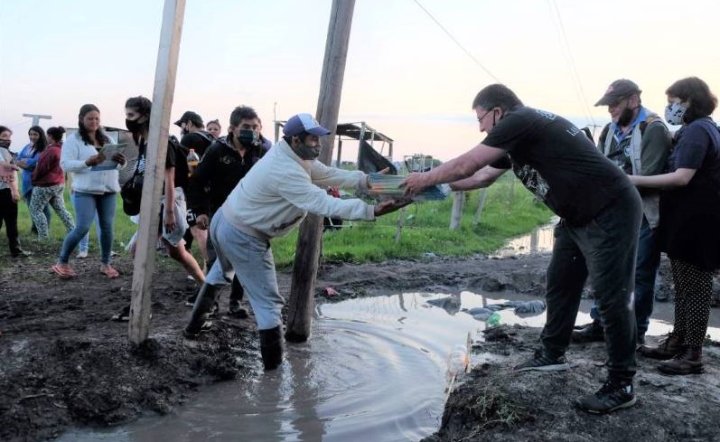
{"points": [[251, 260]]}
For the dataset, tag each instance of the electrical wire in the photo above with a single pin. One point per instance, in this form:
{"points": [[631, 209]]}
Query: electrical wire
{"points": [[571, 61], [472, 57]]}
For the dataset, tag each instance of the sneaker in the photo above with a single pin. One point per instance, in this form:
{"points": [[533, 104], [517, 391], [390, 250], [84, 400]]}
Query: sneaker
{"points": [[204, 328], [593, 332], [542, 362], [190, 301], [612, 396], [235, 310], [82, 254]]}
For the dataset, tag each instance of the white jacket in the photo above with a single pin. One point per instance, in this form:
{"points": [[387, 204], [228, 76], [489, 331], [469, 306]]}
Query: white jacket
{"points": [[279, 191], [72, 159]]}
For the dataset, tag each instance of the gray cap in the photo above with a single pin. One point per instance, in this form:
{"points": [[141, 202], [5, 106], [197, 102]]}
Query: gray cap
{"points": [[618, 90]]}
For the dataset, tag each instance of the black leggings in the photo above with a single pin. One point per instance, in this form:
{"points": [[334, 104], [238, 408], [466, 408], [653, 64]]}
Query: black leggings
{"points": [[693, 294], [8, 216]]}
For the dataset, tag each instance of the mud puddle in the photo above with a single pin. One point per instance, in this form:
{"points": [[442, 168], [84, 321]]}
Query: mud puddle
{"points": [[374, 369]]}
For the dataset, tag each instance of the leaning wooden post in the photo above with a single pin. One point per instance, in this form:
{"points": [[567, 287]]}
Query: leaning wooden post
{"points": [[307, 255], [144, 263], [457, 209], [481, 206]]}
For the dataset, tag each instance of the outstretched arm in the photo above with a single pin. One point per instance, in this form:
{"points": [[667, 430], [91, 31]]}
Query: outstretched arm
{"points": [[482, 178], [454, 170]]}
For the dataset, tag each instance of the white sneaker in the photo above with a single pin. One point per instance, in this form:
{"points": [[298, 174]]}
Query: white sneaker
{"points": [[82, 254]]}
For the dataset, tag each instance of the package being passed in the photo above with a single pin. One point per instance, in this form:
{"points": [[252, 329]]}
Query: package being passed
{"points": [[388, 186], [110, 150]]}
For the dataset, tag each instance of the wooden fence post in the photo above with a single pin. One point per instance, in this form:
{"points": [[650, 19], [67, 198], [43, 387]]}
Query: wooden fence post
{"points": [[144, 263], [307, 255], [457, 209]]}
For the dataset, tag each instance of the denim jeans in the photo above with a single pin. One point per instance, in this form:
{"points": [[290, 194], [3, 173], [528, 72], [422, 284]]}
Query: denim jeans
{"points": [[605, 249], [646, 268], [252, 260], [86, 206], [84, 245]]}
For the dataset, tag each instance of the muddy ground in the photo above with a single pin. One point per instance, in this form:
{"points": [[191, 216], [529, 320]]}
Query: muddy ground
{"points": [[64, 363]]}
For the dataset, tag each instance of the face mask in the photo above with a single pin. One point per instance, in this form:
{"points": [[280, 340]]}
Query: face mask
{"points": [[133, 126], [248, 138], [5, 143], [306, 152], [184, 131], [674, 113]]}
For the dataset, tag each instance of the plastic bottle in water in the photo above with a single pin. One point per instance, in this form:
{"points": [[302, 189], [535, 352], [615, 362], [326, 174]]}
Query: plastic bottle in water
{"points": [[192, 159], [458, 361], [494, 320]]}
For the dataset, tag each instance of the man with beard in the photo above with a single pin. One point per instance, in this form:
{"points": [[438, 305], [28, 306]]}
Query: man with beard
{"points": [[275, 196], [224, 164], [638, 142], [596, 237]]}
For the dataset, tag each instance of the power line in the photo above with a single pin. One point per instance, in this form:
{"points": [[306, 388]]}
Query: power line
{"points": [[571, 61], [477, 62]]}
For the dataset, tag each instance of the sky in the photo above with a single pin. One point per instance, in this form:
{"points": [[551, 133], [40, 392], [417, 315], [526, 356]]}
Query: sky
{"points": [[404, 76]]}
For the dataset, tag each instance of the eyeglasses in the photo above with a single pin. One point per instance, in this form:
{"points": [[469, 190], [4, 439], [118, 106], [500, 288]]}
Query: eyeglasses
{"points": [[484, 115]]}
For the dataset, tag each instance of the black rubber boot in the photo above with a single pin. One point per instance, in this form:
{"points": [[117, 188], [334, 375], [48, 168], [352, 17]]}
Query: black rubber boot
{"points": [[203, 306], [236, 310], [271, 347]]}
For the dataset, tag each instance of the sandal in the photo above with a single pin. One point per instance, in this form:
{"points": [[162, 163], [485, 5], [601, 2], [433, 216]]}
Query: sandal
{"points": [[109, 271], [123, 316], [64, 272]]}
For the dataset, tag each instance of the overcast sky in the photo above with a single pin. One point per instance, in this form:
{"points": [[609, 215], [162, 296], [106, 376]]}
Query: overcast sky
{"points": [[405, 76]]}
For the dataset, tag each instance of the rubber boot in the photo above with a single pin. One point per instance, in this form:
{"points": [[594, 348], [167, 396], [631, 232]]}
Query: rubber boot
{"points": [[271, 347], [236, 310], [687, 362], [203, 306]]}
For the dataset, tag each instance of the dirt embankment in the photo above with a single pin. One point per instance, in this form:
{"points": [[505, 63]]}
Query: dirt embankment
{"points": [[64, 363]]}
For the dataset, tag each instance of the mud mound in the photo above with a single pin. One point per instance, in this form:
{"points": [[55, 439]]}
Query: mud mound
{"points": [[494, 403]]}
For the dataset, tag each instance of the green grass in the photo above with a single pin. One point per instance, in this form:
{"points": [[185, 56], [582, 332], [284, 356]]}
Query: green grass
{"points": [[509, 211]]}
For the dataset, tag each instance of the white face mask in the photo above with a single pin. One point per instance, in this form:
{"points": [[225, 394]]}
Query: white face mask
{"points": [[674, 113]]}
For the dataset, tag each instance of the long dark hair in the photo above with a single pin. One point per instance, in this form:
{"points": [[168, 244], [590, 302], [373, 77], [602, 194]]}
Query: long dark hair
{"points": [[56, 133], [702, 102], [41, 143], [99, 135]]}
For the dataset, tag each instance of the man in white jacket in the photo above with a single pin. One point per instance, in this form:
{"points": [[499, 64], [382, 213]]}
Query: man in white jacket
{"points": [[276, 195]]}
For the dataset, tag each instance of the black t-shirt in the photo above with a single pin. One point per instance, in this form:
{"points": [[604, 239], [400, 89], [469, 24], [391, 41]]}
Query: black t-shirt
{"points": [[698, 147], [176, 157], [199, 140], [558, 163]]}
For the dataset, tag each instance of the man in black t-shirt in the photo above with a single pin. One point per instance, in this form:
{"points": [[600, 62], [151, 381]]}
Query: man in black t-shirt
{"points": [[597, 235]]}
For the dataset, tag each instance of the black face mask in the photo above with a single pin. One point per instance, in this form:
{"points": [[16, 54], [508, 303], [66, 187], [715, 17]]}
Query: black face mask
{"points": [[626, 117], [306, 152], [184, 131], [248, 138], [5, 143], [133, 126]]}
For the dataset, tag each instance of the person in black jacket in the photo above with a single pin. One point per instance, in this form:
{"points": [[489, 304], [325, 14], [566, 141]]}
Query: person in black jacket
{"points": [[224, 164]]}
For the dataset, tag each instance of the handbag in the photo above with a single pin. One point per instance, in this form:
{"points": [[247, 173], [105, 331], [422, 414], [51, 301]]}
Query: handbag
{"points": [[131, 193]]}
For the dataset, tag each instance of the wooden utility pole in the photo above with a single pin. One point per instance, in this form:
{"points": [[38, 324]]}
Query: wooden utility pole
{"points": [[165, 70], [307, 255], [457, 209]]}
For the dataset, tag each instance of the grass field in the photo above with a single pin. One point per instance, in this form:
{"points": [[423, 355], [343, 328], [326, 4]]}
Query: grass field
{"points": [[509, 211]]}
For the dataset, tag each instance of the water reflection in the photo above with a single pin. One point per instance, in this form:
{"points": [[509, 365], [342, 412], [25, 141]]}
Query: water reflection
{"points": [[374, 369], [540, 240]]}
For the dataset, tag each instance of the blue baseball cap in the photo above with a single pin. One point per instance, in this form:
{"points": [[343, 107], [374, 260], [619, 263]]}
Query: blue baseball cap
{"points": [[300, 123]]}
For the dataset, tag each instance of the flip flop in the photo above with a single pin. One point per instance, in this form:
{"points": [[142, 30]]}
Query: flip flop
{"points": [[63, 273], [109, 271]]}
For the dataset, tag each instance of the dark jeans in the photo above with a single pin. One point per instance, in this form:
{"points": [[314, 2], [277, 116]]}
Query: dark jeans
{"points": [[646, 268], [8, 216], [605, 249]]}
